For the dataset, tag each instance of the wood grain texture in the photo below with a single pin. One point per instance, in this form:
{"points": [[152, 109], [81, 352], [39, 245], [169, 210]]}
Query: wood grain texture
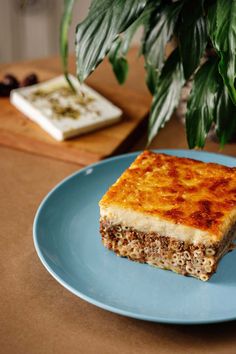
{"points": [[17, 131]]}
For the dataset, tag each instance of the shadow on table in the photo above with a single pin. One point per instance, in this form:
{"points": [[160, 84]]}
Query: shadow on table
{"points": [[213, 338]]}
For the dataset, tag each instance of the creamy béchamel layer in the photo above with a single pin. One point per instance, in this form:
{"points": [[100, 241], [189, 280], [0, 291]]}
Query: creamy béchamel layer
{"points": [[147, 223], [175, 196]]}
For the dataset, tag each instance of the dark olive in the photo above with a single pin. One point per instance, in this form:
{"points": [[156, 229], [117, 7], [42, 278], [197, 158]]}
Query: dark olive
{"points": [[29, 80], [4, 90], [10, 81]]}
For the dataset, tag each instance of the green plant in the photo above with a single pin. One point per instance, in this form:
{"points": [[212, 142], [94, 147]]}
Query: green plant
{"points": [[205, 51]]}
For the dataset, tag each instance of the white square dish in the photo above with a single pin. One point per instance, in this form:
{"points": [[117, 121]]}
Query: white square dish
{"points": [[61, 112]]}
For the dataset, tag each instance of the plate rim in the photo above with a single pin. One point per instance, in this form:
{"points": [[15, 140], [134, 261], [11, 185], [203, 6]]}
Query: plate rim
{"points": [[100, 304]]}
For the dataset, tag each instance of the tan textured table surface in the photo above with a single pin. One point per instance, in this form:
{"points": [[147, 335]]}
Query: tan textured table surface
{"points": [[37, 315]]}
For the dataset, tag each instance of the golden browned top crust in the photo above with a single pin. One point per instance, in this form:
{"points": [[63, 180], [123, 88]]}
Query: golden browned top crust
{"points": [[180, 190]]}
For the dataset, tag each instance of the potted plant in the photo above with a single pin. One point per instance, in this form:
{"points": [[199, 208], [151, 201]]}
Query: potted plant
{"points": [[204, 33]]}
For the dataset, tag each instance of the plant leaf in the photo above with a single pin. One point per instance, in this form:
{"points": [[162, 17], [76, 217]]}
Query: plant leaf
{"points": [[161, 28], [222, 28], [201, 104], [119, 63], [192, 36], [120, 47], [151, 78], [211, 22], [64, 29], [167, 95], [94, 36], [225, 116]]}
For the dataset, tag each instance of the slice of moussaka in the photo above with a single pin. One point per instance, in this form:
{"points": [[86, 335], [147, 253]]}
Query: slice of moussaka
{"points": [[171, 212]]}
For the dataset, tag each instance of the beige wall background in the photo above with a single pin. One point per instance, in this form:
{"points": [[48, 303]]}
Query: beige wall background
{"points": [[30, 28]]}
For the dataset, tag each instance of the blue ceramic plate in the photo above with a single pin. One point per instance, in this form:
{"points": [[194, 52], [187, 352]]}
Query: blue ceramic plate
{"points": [[67, 240]]}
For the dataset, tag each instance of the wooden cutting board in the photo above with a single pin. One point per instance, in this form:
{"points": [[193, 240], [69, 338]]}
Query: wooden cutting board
{"points": [[19, 132]]}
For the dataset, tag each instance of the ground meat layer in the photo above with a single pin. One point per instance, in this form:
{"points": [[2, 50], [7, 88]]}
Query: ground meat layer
{"points": [[164, 252]]}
